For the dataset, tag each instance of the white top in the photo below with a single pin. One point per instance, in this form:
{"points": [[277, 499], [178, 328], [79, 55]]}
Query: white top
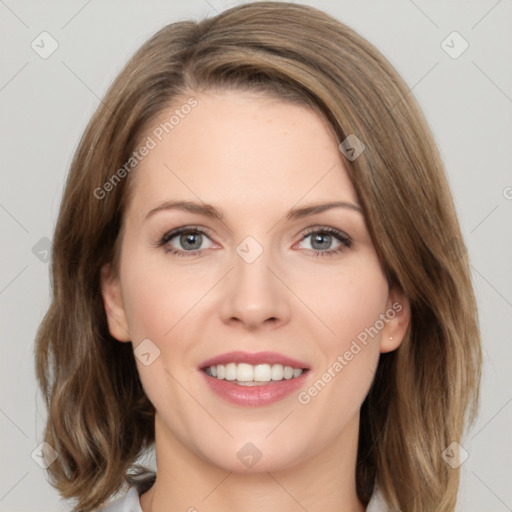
{"points": [[130, 503]]}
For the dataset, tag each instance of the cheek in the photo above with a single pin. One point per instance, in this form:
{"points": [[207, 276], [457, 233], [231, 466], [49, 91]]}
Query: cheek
{"points": [[360, 326], [149, 311], [158, 300], [350, 305], [157, 297], [346, 302]]}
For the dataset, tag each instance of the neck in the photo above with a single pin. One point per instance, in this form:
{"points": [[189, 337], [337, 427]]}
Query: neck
{"points": [[185, 481]]}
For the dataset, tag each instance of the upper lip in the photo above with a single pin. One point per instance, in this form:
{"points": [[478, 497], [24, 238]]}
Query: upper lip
{"points": [[253, 358]]}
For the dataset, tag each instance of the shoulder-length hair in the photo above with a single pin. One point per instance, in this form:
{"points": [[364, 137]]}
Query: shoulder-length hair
{"points": [[99, 418]]}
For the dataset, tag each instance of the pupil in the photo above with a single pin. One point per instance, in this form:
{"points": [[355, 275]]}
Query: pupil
{"points": [[189, 239], [319, 238]]}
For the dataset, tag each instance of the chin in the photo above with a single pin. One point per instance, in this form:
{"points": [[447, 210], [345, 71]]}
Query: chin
{"points": [[251, 457]]}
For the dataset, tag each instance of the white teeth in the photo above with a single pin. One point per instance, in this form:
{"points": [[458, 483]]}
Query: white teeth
{"points": [[262, 373], [244, 372], [247, 374], [288, 372], [277, 372], [231, 371]]}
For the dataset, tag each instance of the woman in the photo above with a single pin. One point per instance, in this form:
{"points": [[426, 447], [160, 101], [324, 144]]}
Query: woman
{"points": [[258, 268]]}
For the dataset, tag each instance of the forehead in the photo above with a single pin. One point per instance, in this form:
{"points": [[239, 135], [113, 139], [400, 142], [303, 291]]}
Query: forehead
{"points": [[242, 150]]}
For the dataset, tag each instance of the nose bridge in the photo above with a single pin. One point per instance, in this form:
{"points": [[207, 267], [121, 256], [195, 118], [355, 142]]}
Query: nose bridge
{"points": [[254, 294]]}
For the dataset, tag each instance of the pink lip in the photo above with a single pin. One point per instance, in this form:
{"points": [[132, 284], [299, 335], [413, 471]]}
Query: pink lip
{"points": [[254, 396], [253, 358]]}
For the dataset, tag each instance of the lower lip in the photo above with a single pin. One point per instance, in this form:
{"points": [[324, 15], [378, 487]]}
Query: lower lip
{"points": [[255, 396]]}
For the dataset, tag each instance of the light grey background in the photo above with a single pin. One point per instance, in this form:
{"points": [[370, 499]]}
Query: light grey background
{"points": [[46, 103]]}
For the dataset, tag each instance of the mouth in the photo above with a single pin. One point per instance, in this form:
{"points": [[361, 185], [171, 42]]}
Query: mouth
{"points": [[245, 374], [253, 379]]}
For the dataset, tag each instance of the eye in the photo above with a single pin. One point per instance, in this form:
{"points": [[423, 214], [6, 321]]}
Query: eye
{"points": [[184, 241], [189, 241], [322, 240]]}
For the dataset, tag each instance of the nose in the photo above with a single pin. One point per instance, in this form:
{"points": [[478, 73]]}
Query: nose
{"points": [[253, 294]]}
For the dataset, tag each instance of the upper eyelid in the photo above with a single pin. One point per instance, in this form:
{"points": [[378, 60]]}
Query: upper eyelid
{"points": [[327, 229], [196, 227]]}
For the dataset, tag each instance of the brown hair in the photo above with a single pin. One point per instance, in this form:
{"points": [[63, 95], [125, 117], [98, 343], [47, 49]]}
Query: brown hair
{"points": [[99, 418]]}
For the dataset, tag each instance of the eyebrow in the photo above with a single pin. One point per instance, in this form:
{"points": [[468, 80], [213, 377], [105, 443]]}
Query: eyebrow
{"points": [[210, 211]]}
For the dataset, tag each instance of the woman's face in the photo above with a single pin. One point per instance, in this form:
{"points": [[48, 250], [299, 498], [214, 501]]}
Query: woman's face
{"points": [[256, 271]]}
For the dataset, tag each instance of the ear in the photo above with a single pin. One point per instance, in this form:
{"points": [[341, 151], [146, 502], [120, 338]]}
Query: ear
{"points": [[398, 315], [113, 302]]}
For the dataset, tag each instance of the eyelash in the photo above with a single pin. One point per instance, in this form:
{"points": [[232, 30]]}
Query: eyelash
{"points": [[345, 241]]}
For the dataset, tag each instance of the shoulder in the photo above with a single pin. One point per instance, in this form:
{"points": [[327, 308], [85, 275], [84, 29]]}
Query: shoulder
{"points": [[130, 501], [377, 502], [127, 503]]}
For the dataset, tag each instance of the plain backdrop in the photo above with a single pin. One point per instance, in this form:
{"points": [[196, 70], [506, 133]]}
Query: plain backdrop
{"points": [[45, 105]]}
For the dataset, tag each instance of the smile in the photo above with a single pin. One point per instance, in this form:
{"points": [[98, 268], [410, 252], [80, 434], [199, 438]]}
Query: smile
{"points": [[254, 379], [252, 375]]}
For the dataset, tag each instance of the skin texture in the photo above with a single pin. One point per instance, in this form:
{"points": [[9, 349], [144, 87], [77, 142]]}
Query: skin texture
{"points": [[253, 158]]}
